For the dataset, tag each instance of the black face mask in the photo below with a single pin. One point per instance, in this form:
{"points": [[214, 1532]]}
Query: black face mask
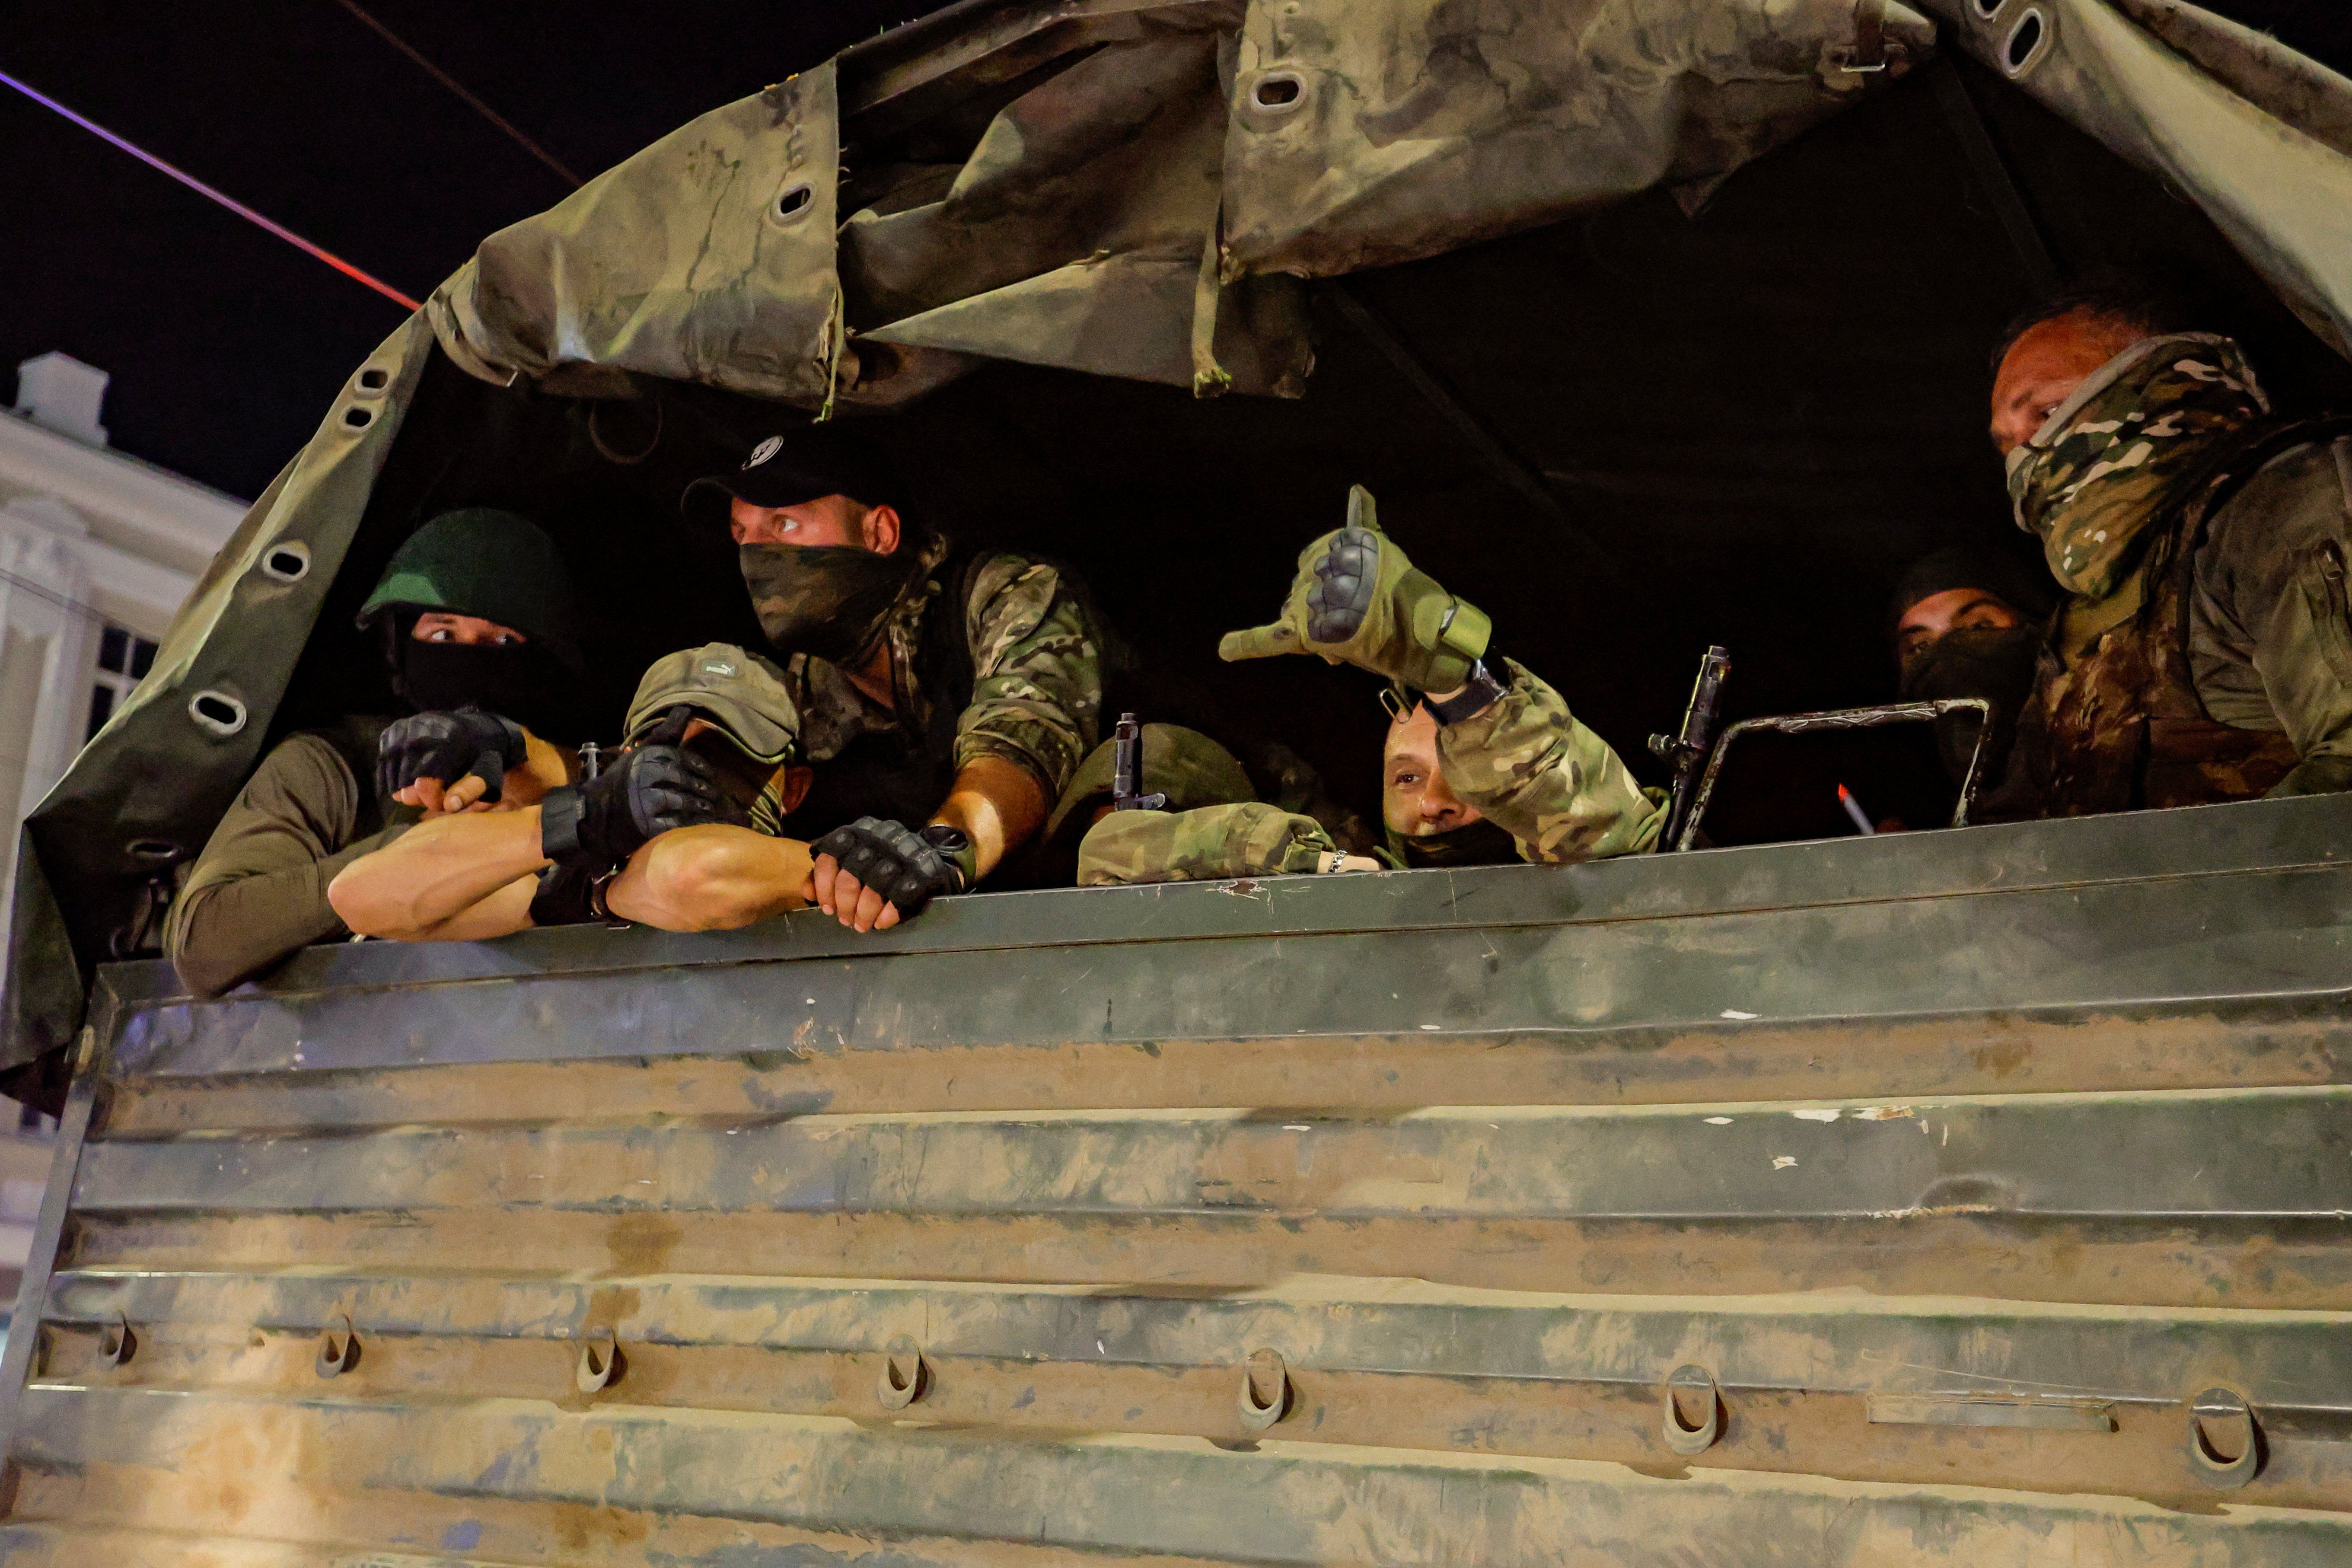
{"points": [[521, 681], [1480, 843], [1992, 662], [828, 601]]}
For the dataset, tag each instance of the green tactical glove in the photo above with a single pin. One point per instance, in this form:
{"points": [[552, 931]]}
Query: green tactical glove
{"points": [[1357, 600]]}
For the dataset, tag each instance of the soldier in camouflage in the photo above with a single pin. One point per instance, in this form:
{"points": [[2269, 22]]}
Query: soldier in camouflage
{"points": [[946, 692], [2206, 652], [1508, 756]]}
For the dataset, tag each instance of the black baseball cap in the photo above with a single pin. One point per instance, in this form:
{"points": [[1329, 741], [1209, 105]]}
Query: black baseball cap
{"points": [[801, 465]]}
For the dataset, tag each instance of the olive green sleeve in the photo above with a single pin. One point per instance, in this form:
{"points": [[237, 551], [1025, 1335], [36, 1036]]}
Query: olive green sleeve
{"points": [[1553, 784], [258, 891], [2272, 593], [1037, 694]]}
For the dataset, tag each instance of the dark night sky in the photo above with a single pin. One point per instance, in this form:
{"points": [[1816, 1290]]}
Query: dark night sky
{"points": [[224, 343]]}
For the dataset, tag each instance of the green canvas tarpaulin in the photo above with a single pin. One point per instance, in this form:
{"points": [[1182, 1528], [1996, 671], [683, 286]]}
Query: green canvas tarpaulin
{"points": [[1131, 190]]}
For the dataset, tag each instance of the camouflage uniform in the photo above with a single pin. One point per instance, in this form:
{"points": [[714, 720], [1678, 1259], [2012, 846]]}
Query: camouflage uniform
{"points": [[1245, 838], [1530, 767], [2207, 654], [1525, 763], [1037, 690]]}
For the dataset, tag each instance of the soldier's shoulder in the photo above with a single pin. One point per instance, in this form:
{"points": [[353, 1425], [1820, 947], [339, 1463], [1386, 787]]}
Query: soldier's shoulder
{"points": [[997, 572], [2298, 496]]}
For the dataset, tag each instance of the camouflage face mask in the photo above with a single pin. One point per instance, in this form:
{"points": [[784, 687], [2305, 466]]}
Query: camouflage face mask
{"points": [[2110, 458], [828, 601]]}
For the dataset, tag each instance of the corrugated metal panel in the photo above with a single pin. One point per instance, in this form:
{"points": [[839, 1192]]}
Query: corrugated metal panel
{"points": [[1954, 1166]]}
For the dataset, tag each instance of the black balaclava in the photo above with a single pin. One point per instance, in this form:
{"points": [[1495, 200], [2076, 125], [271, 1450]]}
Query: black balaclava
{"points": [[1992, 662], [522, 681], [497, 566]]}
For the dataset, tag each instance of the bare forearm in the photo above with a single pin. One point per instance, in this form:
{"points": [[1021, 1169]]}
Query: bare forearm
{"points": [[436, 871], [711, 878], [501, 914], [999, 805]]}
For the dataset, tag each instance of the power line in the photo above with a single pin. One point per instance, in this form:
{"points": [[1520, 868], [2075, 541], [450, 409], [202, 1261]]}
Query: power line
{"points": [[246, 213], [446, 79]]}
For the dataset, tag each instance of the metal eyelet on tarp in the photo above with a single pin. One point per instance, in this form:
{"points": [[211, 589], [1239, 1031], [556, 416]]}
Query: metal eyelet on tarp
{"points": [[216, 712], [287, 561], [2028, 42], [906, 1376], [599, 1366], [2224, 1439], [1693, 1410], [339, 1347], [1265, 1396]]}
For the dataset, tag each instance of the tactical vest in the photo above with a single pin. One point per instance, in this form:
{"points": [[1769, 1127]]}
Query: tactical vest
{"points": [[903, 772], [2123, 728]]}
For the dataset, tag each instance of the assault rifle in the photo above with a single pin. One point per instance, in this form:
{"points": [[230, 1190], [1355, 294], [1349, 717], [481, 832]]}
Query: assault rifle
{"points": [[1687, 754], [1127, 769]]}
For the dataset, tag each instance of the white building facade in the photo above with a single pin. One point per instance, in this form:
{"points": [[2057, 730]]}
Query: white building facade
{"points": [[97, 551]]}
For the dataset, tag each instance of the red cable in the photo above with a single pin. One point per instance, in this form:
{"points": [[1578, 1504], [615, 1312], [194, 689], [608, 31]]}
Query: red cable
{"points": [[280, 230]]}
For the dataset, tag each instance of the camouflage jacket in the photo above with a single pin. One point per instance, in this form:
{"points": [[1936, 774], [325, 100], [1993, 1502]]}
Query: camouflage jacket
{"points": [[1037, 694], [2220, 670], [1211, 843], [1532, 769], [1525, 763], [2270, 628]]}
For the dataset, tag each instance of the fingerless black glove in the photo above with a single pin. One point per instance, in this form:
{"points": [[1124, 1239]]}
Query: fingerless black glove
{"points": [[446, 747], [908, 868], [640, 794]]}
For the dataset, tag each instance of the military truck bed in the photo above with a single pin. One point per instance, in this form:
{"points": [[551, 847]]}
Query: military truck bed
{"points": [[1945, 1173]]}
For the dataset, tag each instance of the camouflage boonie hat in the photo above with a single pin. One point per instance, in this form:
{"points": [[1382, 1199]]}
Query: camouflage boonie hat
{"points": [[740, 691], [1244, 838], [1185, 765]]}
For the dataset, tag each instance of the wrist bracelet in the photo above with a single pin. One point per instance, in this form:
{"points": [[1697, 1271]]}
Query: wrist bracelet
{"points": [[1479, 693], [598, 905]]}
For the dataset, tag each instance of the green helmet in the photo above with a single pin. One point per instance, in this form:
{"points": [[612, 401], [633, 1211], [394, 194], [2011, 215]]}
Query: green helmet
{"points": [[492, 564]]}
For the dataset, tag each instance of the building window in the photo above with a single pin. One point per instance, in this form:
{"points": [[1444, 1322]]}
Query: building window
{"points": [[124, 657]]}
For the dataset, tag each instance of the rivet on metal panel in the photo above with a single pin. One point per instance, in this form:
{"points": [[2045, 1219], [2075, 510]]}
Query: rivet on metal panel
{"points": [[1265, 1396], [599, 1362], [116, 1343], [1694, 1410], [2224, 1439], [906, 1376], [339, 1347]]}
